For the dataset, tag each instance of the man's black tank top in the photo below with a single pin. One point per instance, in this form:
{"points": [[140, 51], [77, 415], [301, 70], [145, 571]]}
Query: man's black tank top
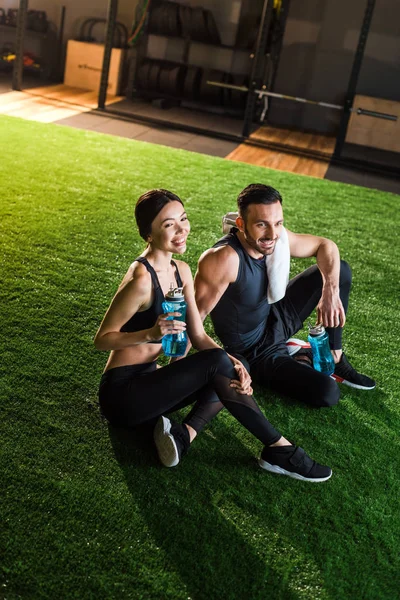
{"points": [[147, 318], [240, 316]]}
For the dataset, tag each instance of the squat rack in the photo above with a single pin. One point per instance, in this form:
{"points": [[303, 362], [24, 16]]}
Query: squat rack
{"points": [[256, 90]]}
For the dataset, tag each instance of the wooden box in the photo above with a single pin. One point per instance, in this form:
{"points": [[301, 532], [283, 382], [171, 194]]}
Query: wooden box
{"points": [[374, 131], [84, 64]]}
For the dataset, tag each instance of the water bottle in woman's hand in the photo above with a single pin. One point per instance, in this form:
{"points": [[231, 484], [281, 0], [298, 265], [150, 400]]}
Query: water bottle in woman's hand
{"points": [[322, 356], [174, 344]]}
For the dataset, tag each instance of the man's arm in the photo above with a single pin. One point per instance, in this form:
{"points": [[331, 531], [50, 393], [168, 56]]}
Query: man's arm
{"points": [[216, 269], [330, 311]]}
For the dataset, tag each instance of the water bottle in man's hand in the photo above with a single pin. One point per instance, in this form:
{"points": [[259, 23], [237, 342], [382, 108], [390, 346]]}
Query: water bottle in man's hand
{"points": [[322, 356], [174, 344]]}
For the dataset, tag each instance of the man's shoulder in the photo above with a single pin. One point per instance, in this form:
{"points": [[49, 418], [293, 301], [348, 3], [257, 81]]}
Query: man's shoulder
{"points": [[219, 254], [220, 261]]}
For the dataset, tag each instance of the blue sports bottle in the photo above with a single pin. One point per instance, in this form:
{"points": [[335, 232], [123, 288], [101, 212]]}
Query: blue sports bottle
{"points": [[322, 356], [174, 344]]}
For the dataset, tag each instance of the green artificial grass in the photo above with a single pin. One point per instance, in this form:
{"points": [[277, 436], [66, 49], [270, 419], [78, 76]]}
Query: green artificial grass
{"points": [[87, 511]]}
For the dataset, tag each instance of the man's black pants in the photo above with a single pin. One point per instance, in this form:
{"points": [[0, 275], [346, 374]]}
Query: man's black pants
{"points": [[269, 361]]}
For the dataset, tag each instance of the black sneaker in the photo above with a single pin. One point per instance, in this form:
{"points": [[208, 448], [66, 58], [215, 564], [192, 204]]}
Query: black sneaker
{"points": [[344, 373], [172, 441], [294, 462]]}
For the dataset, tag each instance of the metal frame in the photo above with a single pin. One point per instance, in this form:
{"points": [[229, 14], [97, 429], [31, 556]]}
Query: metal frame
{"points": [[276, 48], [60, 44], [108, 43], [18, 66], [355, 72], [266, 17]]}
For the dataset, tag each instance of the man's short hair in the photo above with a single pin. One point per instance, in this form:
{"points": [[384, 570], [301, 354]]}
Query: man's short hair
{"points": [[257, 193]]}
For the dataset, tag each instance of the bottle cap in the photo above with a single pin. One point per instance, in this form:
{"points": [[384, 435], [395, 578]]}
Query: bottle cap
{"points": [[175, 294], [316, 330]]}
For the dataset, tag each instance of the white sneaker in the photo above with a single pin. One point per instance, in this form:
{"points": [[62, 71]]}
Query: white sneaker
{"points": [[295, 344], [166, 446]]}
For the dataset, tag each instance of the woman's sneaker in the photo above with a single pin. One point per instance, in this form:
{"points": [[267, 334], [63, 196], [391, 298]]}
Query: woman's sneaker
{"points": [[172, 441], [346, 374], [294, 462]]}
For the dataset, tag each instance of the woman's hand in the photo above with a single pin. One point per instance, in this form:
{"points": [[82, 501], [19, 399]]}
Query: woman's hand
{"points": [[243, 384], [166, 324]]}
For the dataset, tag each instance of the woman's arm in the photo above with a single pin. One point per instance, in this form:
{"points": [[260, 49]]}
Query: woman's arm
{"points": [[130, 298]]}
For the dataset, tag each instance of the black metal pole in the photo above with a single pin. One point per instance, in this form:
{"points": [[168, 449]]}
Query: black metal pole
{"points": [[355, 72], [108, 44], [60, 44], [276, 47], [19, 46], [255, 72]]}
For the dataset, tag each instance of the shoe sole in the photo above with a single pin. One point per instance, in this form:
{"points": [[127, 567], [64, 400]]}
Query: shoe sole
{"points": [[353, 385], [165, 443], [279, 471], [295, 344]]}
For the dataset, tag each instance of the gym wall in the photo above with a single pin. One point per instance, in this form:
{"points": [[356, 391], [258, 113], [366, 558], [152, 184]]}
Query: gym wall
{"points": [[318, 50], [77, 11]]}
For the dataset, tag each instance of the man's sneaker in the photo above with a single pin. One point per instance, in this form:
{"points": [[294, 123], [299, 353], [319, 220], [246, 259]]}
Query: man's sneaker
{"points": [[295, 344], [344, 373], [172, 441], [294, 462]]}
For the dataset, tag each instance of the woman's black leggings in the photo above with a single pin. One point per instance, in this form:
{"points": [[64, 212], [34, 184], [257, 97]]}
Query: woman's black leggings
{"points": [[136, 394]]}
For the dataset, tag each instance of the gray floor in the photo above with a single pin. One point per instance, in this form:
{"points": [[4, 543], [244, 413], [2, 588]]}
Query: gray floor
{"points": [[156, 135], [363, 179], [183, 115]]}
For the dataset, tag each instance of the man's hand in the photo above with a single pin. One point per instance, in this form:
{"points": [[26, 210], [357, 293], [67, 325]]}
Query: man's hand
{"points": [[243, 384], [330, 311]]}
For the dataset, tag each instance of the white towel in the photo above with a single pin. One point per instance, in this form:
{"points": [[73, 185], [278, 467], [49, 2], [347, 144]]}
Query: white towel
{"points": [[278, 263]]}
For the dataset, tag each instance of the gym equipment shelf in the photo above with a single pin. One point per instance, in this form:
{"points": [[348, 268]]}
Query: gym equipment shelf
{"points": [[235, 48], [28, 32], [10, 39], [168, 21]]}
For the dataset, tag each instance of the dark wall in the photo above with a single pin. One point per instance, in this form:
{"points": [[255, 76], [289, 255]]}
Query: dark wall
{"points": [[317, 56], [380, 72]]}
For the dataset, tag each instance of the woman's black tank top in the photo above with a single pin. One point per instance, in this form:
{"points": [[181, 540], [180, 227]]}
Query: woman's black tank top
{"points": [[240, 316], [147, 318]]}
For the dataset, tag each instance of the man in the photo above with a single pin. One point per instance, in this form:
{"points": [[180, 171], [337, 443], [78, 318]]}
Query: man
{"points": [[232, 286]]}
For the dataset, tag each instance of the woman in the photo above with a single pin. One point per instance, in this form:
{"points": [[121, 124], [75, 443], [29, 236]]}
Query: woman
{"points": [[134, 391]]}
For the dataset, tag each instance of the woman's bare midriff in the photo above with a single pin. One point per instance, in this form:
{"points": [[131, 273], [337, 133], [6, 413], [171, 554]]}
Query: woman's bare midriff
{"points": [[137, 355]]}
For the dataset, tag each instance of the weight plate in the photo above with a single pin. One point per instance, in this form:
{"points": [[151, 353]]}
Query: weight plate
{"points": [[247, 32], [175, 20], [226, 92], [142, 75], [198, 30], [173, 81], [153, 75], [191, 86], [163, 80], [185, 14], [238, 99], [154, 19], [212, 29], [210, 93], [180, 80]]}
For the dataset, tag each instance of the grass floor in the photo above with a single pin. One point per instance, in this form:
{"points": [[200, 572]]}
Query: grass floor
{"points": [[87, 511]]}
